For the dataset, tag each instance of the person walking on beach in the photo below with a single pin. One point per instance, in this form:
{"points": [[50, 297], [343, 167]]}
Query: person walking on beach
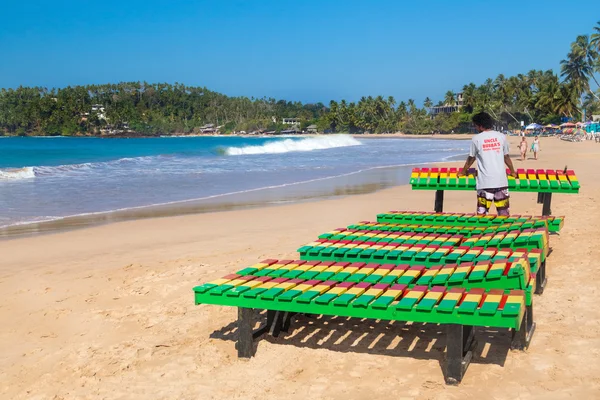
{"points": [[535, 147], [490, 149], [523, 148]]}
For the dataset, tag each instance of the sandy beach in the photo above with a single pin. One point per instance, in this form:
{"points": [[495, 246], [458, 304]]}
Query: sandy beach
{"points": [[107, 312]]}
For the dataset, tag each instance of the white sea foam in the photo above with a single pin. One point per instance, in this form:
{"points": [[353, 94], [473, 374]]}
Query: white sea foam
{"points": [[289, 145], [215, 196], [71, 169], [17, 173]]}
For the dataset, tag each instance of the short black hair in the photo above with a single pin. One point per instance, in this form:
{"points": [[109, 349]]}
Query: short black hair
{"points": [[483, 119]]}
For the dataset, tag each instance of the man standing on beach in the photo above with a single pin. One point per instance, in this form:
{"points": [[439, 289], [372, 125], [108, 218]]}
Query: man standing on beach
{"points": [[490, 149]]}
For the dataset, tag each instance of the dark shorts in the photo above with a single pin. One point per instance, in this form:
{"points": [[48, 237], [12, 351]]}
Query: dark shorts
{"points": [[500, 197]]}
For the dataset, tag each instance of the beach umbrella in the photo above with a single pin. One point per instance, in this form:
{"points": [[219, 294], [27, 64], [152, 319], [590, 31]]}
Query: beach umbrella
{"points": [[554, 126], [567, 125], [533, 126]]}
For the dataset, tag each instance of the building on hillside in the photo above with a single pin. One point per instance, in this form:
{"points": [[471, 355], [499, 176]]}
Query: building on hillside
{"points": [[311, 129], [595, 118], [209, 128], [291, 121], [98, 109], [448, 108]]}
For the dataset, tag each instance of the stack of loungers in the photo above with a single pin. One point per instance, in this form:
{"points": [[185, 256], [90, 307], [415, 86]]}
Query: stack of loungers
{"points": [[462, 270]]}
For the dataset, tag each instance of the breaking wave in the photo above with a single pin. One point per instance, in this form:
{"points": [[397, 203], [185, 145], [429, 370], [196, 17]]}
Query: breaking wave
{"points": [[17, 173], [70, 169], [290, 145]]}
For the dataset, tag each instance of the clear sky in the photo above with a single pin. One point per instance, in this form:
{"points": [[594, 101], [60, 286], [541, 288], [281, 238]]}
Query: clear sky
{"points": [[298, 50]]}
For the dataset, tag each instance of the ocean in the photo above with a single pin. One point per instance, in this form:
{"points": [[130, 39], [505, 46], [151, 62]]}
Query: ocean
{"points": [[61, 179]]}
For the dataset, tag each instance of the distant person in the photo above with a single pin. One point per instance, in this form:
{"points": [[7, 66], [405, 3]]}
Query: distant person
{"points": [[523, 148], [490, 149], [535, 147]]}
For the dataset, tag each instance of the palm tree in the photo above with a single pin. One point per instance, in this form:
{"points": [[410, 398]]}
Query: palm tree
{"points": [[566, 101], [333, 116], [449, 98], [427, 103], [577, 68], [595, 38], [469, 96]]}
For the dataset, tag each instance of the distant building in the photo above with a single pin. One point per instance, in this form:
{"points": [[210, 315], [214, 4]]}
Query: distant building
{"points": [[98, 109], [448, 108], [311, 129], [209, 128], [595, 118], [291, 121]]}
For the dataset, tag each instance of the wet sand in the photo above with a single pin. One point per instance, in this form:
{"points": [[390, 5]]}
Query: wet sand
{"points": [[107, 311]]}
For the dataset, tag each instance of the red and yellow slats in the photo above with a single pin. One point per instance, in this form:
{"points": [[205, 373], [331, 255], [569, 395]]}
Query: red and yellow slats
{"points": [[433, 296], [514, 304], [389, 296], [225, 279], [411, 297], [479, 271], [263, 264], [491, 302], [460, 273], [497, 269], [443, 274], [411, 275], [452, 298], [471, 301], [427, 277]]}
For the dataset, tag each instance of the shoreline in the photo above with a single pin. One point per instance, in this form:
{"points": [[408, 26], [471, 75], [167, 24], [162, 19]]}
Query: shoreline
{"points": [[203, 205]]}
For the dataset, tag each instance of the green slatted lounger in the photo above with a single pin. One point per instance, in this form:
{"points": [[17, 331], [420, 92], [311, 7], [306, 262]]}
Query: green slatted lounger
{"points": [[428, 256], [405, 218], [488, 274], [460, 309], [528, 238], [527, 181]]}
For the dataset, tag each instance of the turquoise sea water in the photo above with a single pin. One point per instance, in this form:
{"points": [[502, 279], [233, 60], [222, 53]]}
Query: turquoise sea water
{"points": [[43, 179]]}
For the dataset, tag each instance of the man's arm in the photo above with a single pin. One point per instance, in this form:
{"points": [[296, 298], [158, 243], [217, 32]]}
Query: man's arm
{"points": [[510, 166], [465, 169], [470, 159], [508, 161]]}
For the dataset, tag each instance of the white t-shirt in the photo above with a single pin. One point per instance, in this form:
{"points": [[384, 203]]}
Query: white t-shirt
{"points": [[489, 149]]}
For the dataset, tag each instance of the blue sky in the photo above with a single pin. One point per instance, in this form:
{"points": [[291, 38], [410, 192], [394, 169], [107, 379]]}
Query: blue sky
{"points": [[297, 50]]}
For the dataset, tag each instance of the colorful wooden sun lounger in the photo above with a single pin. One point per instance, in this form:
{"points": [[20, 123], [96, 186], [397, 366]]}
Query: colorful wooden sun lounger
{"points": [[460, 219], [530, 180], [459, 308], [423, 254], [527, 239], [466, 231], [498, 274]]}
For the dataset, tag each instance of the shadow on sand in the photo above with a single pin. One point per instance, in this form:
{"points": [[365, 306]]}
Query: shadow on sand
{"points": [[387, 338]]}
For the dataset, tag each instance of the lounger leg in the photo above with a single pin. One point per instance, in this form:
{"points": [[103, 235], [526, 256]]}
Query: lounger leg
{"points": [[540, 199], [287, 321], [541, 279], [245, 343], [460, 342], [522, 337], [275, 327], [546, 206], [265, 328], [439, 201]]}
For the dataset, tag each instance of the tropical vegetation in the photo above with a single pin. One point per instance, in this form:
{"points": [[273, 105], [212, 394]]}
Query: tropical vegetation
{"points": [[161, 108]]}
